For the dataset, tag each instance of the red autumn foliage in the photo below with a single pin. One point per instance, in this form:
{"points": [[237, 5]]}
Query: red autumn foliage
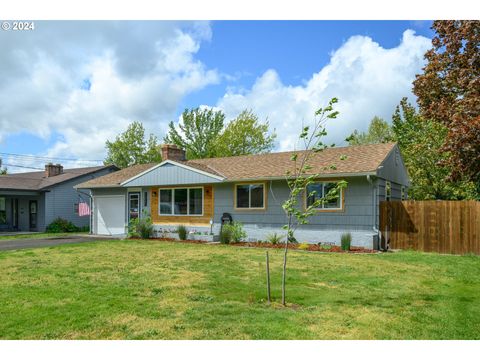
{"points": [[448, 91]]}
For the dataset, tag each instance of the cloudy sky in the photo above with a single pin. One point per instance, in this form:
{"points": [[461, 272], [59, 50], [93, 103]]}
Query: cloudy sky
{"points": [[69, 86]]}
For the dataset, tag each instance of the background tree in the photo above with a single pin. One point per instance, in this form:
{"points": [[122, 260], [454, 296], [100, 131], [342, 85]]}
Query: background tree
{"points": [[244, 135], [3, 171], [448, 92], [198, 131], [379, 131], [301, 177], [131, 147], [420, 141]]}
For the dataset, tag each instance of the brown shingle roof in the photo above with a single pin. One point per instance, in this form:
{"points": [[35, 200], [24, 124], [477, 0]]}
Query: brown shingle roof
{"points": [[36, 180], [117, 177], [357, 159]]}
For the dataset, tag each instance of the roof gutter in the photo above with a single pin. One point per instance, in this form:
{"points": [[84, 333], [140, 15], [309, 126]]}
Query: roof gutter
{"points": [[321, 176]]}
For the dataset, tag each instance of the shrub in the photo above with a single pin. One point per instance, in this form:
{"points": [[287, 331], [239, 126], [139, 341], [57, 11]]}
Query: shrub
{"points": [[133, 228], [274, 238], [303, 246], [346, 241], [145, 227], [182, 232], [226, 234], [238, 234], [60, 225], [140, 227], [232, 233]]}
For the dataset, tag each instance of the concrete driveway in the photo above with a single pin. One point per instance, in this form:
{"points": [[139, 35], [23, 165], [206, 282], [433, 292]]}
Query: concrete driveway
{"points": [[17, 244]]}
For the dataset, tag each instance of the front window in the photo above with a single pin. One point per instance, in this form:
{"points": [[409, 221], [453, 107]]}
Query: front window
{"points": [[250, 196], [320, 190], [3, 211], [181, 201]]}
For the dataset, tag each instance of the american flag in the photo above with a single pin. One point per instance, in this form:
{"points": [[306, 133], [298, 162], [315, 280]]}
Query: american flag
{"points": [[83, 209]]}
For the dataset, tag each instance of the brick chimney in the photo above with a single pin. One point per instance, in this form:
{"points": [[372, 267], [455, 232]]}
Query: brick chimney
{"points": [[53, 170], [172, 152]]}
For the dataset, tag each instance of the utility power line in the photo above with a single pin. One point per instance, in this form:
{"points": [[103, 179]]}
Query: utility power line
{"points": [[25, 156], [24, 167]]}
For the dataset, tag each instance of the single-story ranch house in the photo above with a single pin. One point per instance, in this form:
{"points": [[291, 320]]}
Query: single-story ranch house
{"points": [[30, 201], [251, 189]]}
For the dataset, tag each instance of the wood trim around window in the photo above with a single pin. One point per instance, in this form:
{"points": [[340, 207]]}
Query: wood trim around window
{"points": [[265, 198], [188, 203], [342, 203]]}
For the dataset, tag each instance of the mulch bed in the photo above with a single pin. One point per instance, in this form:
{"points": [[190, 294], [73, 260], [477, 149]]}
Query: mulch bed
{"points": [[311, 247]]}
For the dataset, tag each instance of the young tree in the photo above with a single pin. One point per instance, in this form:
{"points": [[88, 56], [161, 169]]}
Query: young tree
{"points": [[131, 148], [379, 131], [198, 132], [420, 141], [301, 176], [244, 135], [448, 92]]}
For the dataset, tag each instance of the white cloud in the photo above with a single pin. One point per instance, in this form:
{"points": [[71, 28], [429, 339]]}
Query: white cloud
{"points": [[368, 80], [143, 70], [137, 71]]}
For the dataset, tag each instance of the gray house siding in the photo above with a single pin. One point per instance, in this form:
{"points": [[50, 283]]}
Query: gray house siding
{"points": [[169, 174], [393, 168], [357, 214], [60, 201]]}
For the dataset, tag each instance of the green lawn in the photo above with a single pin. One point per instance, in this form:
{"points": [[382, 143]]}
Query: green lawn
{"points": [[39, 235], [159, 290]]}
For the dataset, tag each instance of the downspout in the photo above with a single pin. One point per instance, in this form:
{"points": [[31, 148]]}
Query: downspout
{"points": [[374, 212]]}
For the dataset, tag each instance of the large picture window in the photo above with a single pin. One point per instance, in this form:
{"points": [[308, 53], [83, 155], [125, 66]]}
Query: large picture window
{"points": [[250, 196], [319, 190], [181, 201]]}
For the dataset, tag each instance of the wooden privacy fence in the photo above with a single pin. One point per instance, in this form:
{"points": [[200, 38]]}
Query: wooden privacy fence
{"points": [[449, 227]]}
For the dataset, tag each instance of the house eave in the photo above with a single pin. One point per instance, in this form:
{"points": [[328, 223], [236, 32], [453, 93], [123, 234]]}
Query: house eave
{"points": [[320, 176]]}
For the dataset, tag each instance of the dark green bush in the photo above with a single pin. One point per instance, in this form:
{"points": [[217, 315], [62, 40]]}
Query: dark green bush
{"points": [[60, 225], [346, 241], [182, 232]]}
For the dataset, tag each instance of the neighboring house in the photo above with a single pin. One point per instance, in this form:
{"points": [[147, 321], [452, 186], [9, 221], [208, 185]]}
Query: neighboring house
{"points": [[252, 190], [32, 200]]}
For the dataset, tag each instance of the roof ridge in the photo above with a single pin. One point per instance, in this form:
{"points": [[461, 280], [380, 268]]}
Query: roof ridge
{"points": [[291, 151]]}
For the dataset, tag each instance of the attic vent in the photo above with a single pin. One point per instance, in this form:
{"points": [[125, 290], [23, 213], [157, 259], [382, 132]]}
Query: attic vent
{"points": [[397, 157]]}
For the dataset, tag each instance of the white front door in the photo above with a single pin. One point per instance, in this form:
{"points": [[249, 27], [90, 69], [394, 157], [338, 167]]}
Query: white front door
{"points": [[110, 214]]}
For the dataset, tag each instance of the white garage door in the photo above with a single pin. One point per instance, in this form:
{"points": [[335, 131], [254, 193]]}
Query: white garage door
{"points": [[110, 214]]}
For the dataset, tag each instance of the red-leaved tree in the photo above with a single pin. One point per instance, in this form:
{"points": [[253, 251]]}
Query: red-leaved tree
{"points": [[448, 91]]}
